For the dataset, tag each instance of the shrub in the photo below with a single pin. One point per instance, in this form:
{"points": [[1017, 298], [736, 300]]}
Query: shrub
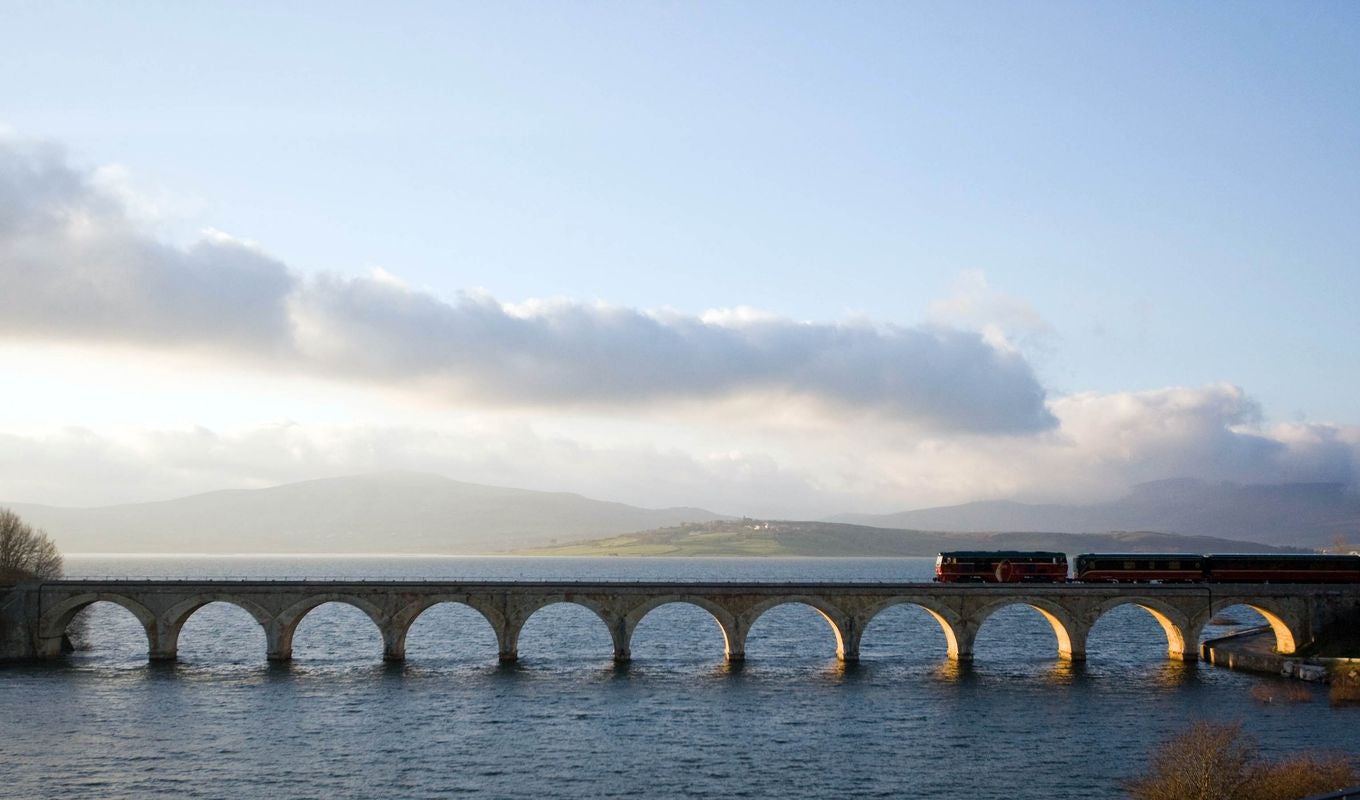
{"points": [[1207, 762], [1302, 776], [25, 553], [1219, 762], [1346, 684]]}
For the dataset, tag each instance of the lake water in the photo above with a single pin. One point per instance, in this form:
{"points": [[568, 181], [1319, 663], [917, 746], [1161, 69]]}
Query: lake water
{"points": [[565, 722]]}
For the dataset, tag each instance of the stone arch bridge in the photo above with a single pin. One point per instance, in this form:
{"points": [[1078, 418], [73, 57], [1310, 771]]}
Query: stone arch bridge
{"points": [[34, 615]]}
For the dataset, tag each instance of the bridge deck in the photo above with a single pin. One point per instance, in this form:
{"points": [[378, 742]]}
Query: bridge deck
{"points": [[758, 586]]}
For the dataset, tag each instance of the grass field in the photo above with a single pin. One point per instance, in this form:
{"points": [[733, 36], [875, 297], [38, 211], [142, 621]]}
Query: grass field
{"points": [[747, 537]]}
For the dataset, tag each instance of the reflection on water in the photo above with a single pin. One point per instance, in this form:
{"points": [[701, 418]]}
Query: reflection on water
{"points": [[678, 721], [951, 671], [1173, 673], [1064, 672]]}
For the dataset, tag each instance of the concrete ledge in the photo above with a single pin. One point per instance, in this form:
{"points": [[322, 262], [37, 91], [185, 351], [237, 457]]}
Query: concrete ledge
{"points": [[1249, 650], [1243, 651]]}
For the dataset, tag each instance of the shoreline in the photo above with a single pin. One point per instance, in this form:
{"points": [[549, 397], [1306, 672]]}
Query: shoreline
{"points": [[1252, 650]]}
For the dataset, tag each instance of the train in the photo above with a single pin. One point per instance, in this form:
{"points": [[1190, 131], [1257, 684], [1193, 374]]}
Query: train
{"points": [[1042, 566]]}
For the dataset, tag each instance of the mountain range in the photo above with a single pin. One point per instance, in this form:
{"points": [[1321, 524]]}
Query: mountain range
{"points": [[1298, 514], [403, 512], [395, 512]]}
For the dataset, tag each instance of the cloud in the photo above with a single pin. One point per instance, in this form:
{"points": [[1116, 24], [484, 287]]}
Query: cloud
{"points": [[74, 265], [1105, 444], [1004, 320], [782, 418], [576, 354]]}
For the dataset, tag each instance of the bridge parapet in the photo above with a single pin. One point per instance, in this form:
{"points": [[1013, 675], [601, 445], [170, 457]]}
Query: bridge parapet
{"points": [[33, 616]]}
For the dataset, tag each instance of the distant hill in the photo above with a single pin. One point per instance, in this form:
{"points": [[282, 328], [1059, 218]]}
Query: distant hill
{"points": [[1302, 514], [388, 513], [786, 538], [401, 512]]}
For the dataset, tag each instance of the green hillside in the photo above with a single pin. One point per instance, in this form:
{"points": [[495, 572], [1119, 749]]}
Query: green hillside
{"points": [[748, 537]]}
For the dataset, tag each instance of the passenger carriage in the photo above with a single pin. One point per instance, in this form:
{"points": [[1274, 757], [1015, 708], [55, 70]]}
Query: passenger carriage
{"points": [[1283, 568], [1138, 567]]}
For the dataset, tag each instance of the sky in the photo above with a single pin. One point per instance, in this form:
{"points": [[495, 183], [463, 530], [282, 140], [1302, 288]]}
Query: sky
{"points": [[778, 259]]}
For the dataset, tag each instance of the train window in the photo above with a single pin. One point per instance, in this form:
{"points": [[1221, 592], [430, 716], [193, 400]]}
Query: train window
{"points": [[1173, 565], [1130, 565]]}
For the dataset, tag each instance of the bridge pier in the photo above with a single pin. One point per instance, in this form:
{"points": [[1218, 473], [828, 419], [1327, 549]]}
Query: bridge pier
{"points": [[847, 646], [960, 641], [394, 643], [278, 642], [621, 634], [507, 641], [1072, 647], [736, 640], [48, 647], [164, 642]]}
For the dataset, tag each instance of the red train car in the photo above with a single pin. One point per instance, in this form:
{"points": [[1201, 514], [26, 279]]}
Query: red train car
{"points": [[1283, 568], [1138, 568], [1001, 566]]}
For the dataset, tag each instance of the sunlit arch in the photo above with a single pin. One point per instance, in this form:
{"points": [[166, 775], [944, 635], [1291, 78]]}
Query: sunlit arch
{"points": [[1286, 642], [1173, 622], [724, 619], [1058, 618], [946, 618], [829, 612]]}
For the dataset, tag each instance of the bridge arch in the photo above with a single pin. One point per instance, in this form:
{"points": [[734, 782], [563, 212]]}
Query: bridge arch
{"points": [[1289, 633], [394, 633], [172, 621], [948, 619], [1175, 624], [52, 624], [841, 625], [727, 622], [513, 627], [279, 631], [1070, 633]]}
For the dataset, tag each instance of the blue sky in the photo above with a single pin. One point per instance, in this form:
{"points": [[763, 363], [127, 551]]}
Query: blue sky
{"points": [[1137, 198]]}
